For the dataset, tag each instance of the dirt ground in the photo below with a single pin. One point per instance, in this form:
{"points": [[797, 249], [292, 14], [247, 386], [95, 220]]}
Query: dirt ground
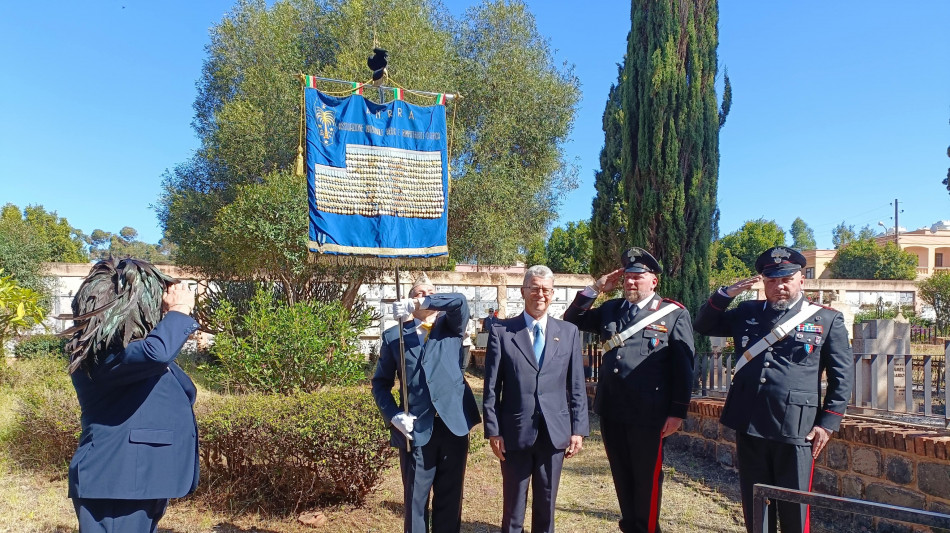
{"points": [[698, 496]]}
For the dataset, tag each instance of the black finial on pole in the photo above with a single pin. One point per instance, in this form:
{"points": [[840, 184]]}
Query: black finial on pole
{"points": [[377, 63]]}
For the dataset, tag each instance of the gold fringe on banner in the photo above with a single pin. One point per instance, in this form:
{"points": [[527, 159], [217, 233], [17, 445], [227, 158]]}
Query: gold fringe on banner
{"points": [[381, 263]]}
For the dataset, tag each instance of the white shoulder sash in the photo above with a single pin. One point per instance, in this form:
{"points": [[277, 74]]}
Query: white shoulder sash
{"points": [[778, 333], [617, 340]]}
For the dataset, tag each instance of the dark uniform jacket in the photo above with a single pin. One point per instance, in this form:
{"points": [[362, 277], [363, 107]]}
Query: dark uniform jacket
{"points": [[436, 384], [777, 394], [650, 377], [139, 438]]}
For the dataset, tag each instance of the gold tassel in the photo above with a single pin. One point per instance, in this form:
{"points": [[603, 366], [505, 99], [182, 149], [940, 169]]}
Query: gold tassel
{"points": [[298, 166], [298, 163]]}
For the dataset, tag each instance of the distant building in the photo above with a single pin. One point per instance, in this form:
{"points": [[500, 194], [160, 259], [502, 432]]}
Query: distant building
{"points": [[930, 245], [816, 261]]}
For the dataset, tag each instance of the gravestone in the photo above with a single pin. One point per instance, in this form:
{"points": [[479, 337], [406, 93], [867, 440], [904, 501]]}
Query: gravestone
{"points": [[882, 338]]}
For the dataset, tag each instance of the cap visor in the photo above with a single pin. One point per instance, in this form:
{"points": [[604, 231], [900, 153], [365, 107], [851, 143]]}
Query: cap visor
{"points": [[782, 271]]}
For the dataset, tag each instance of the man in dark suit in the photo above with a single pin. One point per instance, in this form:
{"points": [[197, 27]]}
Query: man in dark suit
{"points": [[139, 441], [645, 380], [786, 344], [535, 403], [442, 408]]}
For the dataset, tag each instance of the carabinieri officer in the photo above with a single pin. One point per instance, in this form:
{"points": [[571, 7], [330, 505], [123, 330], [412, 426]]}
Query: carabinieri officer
{"points": [[775, 405], [645, 380]]}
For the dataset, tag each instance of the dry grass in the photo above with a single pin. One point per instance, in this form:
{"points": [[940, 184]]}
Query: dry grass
{"points": [[697, 497]]}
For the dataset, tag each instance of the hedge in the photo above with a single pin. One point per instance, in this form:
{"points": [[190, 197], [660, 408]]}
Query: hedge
{"points": [[281, 454]]}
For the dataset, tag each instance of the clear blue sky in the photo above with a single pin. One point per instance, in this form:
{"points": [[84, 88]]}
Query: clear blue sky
{"points": [[838, 107]]}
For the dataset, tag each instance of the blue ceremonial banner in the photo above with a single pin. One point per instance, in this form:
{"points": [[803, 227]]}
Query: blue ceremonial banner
{"points": [[377, 177]]}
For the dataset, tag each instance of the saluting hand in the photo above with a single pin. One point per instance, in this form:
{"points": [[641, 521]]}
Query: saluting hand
{"points": [[741, 286], [609, 281], [179, 298]]}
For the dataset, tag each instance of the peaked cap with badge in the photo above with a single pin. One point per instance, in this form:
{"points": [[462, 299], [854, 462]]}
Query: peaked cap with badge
{"points": [[779, 261], [639, 260]]}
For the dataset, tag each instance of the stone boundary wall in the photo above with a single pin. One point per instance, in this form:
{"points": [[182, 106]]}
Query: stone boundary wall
{"points": [[483, 290], [864, 460]]}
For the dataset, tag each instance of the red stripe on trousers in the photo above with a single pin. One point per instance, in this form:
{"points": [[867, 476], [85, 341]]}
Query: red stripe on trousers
{"points": [[811, 476], [654, 493]]}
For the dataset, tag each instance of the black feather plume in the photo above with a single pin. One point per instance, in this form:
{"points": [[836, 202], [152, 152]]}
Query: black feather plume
{"points": [[118, 302]]}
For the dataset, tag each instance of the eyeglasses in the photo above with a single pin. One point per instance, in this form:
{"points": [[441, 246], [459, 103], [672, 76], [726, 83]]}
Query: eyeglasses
{"points": [[539, 290]]}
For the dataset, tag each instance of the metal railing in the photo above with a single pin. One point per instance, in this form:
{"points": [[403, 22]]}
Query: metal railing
{"points": [[928, 334], [921, 397], [713, 374], [923, 382], [761, 494]]}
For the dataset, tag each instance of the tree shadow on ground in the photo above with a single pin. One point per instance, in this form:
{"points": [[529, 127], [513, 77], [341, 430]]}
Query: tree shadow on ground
{"points": [[226, 527], [703, 470], [479, 527], [609, 516], [392, 506]]}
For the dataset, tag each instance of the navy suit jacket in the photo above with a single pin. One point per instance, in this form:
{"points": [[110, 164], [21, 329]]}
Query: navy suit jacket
{"points": [[139, 437], [436, 382], [518, 394]]}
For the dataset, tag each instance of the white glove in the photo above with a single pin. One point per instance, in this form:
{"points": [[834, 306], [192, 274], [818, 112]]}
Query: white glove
{"points": [[402, 309], [403, 423]]}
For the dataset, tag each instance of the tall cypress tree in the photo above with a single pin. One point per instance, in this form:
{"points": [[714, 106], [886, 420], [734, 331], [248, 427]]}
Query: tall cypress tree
{"points": [[671, 139], [608, 222]]}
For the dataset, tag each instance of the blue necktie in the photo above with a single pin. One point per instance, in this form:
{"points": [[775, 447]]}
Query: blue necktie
{"points": [[628, 311], [538, 342]]}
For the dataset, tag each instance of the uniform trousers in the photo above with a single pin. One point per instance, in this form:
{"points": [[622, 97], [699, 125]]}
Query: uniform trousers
{"points": [[540, 464], [635, 454], [119, 516], [439, 467], [774, 463]]}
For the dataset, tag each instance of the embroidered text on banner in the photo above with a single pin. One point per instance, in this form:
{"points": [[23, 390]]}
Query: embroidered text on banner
{"points": [[377, 177]]}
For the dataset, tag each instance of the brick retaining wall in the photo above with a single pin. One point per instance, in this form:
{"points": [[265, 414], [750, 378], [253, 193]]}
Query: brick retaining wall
{"points": [[864, 460]]}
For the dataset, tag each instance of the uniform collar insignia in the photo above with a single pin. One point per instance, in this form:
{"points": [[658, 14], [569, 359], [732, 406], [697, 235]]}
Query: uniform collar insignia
{"points": [[752, 322]]}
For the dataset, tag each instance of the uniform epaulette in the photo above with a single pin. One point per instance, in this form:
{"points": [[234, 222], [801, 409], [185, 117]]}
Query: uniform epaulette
{"points": [[674, 302]]}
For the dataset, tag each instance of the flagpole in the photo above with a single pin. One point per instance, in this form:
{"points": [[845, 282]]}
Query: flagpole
{"points": [[402, 342], [402, 362]]}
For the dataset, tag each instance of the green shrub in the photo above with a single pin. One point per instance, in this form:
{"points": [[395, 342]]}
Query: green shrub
{"points": [[279, 348], [282, 453], [46, 427], [883, 312], [20, 309], [43, 371], [36, 346]]}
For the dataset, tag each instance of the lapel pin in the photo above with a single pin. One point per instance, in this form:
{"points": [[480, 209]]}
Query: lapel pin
{"points": [[557, 339]]}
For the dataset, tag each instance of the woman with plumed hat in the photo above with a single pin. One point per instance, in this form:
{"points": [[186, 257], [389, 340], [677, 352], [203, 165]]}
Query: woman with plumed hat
{"points": [[139, 441]]}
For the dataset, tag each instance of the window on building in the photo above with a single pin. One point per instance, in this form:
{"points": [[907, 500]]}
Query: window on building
{"points": [[938, 259], [810, 273]]}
